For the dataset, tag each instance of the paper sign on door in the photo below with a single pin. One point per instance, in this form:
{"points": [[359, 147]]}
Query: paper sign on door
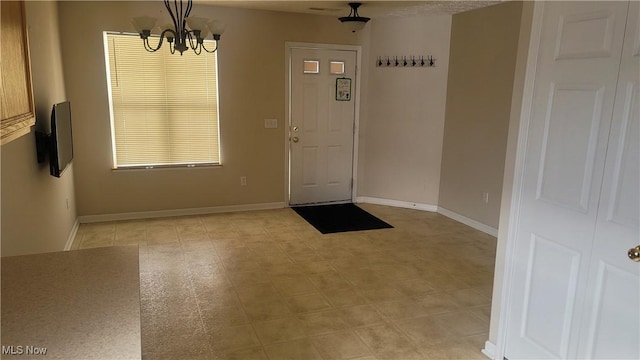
{"points": [[343, 89]]}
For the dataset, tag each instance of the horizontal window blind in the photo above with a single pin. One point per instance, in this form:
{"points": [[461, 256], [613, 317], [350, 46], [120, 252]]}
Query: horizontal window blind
{"points": [[164, 106]]}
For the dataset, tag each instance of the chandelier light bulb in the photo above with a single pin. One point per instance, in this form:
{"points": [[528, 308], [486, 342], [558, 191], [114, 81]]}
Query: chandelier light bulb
{"points": [[141, 23]]}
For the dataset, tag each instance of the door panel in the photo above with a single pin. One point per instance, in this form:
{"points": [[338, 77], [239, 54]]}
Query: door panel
{"points": [[571, 115], [612, 328], [310, 166], [623, 206], [321, 158], [310, 108], [552, 268], [585, 35], [566, 171], [612, 313]]}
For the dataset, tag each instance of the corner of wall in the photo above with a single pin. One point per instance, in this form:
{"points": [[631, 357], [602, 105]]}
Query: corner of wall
{"points": [[477, 111], [402, 127]]}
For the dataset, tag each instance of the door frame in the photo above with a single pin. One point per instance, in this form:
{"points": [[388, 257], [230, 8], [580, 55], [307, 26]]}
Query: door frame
{"points": [[511, 223], [518, 179], [289, 46]]}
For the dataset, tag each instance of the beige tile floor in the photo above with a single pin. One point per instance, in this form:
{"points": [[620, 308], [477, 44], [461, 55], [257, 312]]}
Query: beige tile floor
{"points": [[266, 285]]}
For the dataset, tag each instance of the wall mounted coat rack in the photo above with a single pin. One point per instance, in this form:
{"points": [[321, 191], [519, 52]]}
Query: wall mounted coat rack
{"points": [[406, 61]]}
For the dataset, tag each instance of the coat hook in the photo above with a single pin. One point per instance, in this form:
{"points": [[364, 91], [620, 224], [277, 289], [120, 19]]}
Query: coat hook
{"points": [[406, 61]]}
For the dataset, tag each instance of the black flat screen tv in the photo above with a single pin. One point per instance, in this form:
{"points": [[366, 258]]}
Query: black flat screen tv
{"points": [[61, 140]]}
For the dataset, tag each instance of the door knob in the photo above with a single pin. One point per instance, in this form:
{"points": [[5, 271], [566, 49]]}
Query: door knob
{"points": [[634, 253], [295, 139]]}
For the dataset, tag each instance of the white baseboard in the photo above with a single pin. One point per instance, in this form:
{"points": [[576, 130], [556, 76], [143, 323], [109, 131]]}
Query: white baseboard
{"points": [[469, 222], [396, 203], [72, 235], [489, 350], [178, 212]]}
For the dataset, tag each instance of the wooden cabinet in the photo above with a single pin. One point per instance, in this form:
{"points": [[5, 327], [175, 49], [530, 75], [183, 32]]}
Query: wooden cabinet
{"points": [[17, 113]]}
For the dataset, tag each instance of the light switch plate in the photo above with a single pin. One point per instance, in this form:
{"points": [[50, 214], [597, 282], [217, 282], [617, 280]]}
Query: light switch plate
{"points": [[270, 123]]}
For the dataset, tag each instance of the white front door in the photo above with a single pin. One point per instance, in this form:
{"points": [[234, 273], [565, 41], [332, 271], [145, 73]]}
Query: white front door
{"points": [[573, 291], [321, 125]]}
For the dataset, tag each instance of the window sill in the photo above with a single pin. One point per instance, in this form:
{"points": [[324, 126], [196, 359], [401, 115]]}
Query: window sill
{"points": [[166, 167]]}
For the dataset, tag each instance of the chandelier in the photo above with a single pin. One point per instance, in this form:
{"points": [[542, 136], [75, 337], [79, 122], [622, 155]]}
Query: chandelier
{"points": [[354, 21], [185, 32]]}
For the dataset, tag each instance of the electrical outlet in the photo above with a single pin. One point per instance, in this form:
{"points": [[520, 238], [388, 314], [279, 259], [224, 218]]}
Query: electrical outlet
{"points": [[243, 181], [485, 197]]}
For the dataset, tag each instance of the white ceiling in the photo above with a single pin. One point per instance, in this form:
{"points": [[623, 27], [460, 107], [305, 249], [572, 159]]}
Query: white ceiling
{"points": [[369, 8]]}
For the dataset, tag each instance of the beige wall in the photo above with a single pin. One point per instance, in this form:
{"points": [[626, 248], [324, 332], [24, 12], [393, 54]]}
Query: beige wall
{"points": [[35, 217], [484, 44], [403, 125], [252, 88]]}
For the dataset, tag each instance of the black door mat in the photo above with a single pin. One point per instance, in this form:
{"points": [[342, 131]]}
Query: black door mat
{"points": [[337, 218]]}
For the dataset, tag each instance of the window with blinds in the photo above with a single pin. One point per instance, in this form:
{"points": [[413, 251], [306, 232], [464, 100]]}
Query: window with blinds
{"points": [[164, 107]]}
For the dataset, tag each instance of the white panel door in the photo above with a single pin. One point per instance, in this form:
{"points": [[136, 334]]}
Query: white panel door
{"points": [[573, 101], [611, 327], [321, 127]]}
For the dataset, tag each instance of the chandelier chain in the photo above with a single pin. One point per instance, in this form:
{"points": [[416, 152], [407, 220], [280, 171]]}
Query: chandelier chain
{"points": [[187, 33]]}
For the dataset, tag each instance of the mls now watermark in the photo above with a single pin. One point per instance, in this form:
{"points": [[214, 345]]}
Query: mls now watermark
{"points": [[23, 350]]}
